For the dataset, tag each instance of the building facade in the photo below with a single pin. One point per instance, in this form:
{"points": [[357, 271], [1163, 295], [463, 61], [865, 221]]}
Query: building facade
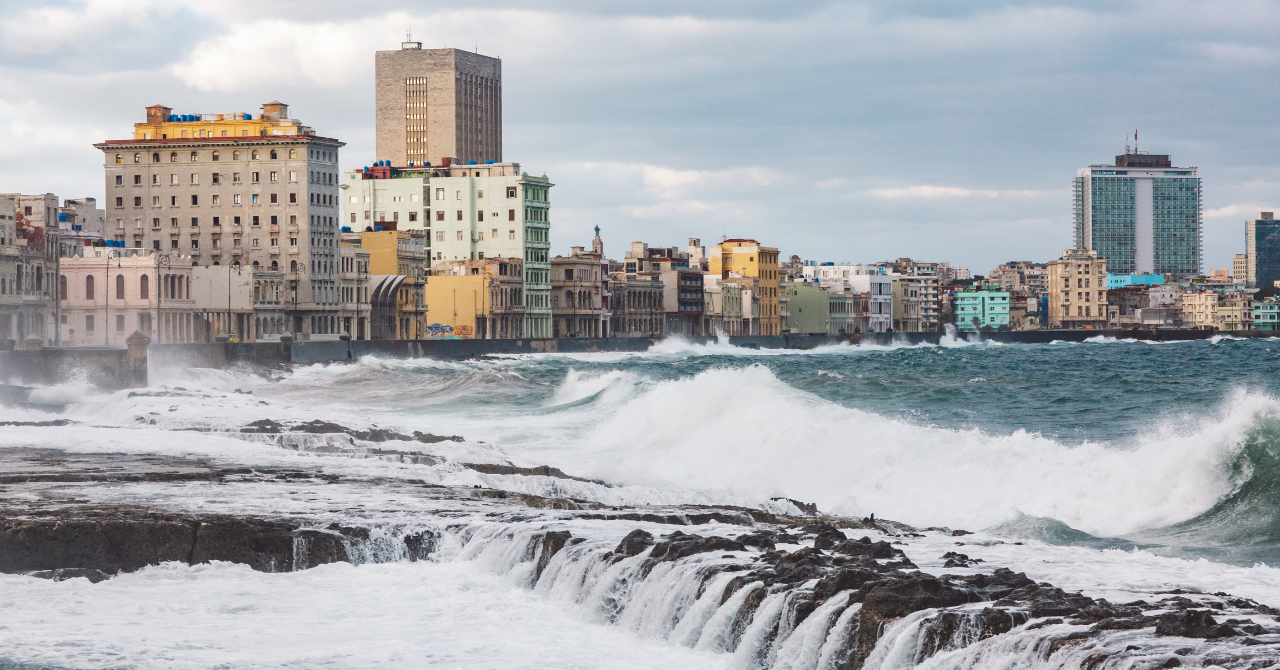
{"points": [[807, 308], [1262, 252], [577, 295], [1077, 290], [234, 189], [1266, 314], [1200, 310], [433, 104], [637, 305], [749, 259], [107, 293], [1140, 214], [476, 299], [976, 310]]}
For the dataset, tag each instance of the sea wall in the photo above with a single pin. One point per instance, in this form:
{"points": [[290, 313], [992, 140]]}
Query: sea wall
{"points": [[110, 369]]}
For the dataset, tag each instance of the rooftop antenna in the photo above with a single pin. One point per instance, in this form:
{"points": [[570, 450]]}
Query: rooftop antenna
{"points": [[1135, 140], [1126, 144]]}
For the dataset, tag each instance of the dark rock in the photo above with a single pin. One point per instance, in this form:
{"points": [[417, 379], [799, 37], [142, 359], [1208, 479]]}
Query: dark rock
{"points": [[941, 633], [1172, 663], [1046, 622], [958, 560], [63, 574], [635, 542], [108, 545], [1094, 661], [1133, 623], [800, 566], [843, 580], [1192, 623], [420, 545], [266, 546], [865, 547], [678, 545], [897, 597], [551, 543], [764, 540], [826, 535]]}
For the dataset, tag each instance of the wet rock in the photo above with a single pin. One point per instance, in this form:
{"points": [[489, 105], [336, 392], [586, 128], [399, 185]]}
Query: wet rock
{"points": [[107, 545], [1132, 623], [63, 574], [955, 630], [266, 546], [678, 545], [865, 547], [420, 545], [763, 540], [826, 535], [958, 560], [897, 597], [843, 580], [552, 542], [800, 566], [635, 542], [1172, 663], [1192, 623]]}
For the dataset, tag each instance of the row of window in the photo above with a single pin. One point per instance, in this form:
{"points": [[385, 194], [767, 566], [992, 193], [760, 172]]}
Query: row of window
{"points": [[194, 156]]}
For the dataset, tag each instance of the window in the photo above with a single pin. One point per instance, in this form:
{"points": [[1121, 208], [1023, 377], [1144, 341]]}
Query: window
{"points": [[217, 178], [137, 201], [253, 177], [119, 180], [480, 215], [195, 199], [173, 244], [275, 241], [255, 198], [195, 179], [256, 221], [194, 156], [274, 196], [274, 176], [459, 215], [253, 156], [479, 194], [195, 222], [413, 216], [235, 199], [273, 154], [275, 220], [293, 219], [155, 180], [173, 179], [511, 191], [119, 158], [88, 323], [513, 234], [215, 158], [137, 179], [440, 215], [439, 194], [235, 155], [216, 200], [439, 235], [173, 157], [293, 176], [119, 202], [293, 241], [173, 201], [457, 195], [195, 243], [511, 215], [255, 241], [293, 198], [293, 153], [155, 158]]}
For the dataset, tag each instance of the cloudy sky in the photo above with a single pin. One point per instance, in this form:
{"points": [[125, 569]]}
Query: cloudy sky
{"points": [[836, 131]]}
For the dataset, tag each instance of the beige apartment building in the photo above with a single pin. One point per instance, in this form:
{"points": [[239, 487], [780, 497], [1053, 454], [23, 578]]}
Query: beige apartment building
{"points": [[637, 304], [577, 285], [234, 189], [28, 268], [1078, 290], [433, 104], [1200, 310]]}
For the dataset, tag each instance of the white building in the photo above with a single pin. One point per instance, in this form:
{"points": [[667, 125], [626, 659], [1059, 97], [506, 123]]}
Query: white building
{"points": [[880, 287], [835, 274], [470, 212], [107, 293]]}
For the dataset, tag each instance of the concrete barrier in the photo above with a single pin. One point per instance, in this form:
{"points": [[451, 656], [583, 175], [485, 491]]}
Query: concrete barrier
{"points": [[110, 369]]}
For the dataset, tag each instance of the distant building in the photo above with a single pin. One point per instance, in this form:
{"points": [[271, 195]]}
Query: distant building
{"points": [[1240, 268], [437, 104], [1140, 215], [476, 299], [577, 295], [749, 259], [1020, 277], [107, 293], [976, 310], [1200, 310], [807, 308], [636, 305], [397, 265], [879, 289], [1262, 252], [1121, 281], [1266, 314], [1077, 290], [1235, 311]]}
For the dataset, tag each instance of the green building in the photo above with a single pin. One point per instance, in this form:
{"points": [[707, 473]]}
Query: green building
{"points": [[806, 308], [1266, 315], [976, 309]]}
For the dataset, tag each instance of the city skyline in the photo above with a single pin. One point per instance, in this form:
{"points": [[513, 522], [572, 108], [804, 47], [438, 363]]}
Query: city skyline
{"points": [[659, 136]]}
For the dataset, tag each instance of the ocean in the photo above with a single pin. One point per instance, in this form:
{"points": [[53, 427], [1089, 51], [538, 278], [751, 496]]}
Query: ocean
{"points": [[1121, 469]]}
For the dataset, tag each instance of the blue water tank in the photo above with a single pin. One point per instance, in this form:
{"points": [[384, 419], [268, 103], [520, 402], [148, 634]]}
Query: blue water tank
{"points": [[490, 162], [62, 216], [248, 117], [377, 228], [471, 163], [346, 229], [365, 169], [427, 164]]}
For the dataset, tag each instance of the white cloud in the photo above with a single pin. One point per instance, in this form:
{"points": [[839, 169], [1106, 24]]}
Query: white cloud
{"points": [[1236, 211]]}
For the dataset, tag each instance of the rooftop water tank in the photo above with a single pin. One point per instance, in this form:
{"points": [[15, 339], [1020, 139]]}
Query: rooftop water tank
{"points": [[471, 163]]}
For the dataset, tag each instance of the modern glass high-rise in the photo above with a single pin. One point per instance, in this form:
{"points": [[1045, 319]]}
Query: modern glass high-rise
{"points": [[1141, 215], [1262, 251]]}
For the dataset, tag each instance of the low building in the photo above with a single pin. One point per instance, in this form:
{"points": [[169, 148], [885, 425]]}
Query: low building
{"points": [[1266, 314], [1125, 281], [1200, 310], [636, 304], [807, 308], [879, 289], [577, 295], [396, 273], [842, 317], [1077, 290], [481, 299], [106, 293], [1235, 311], [749, 259], [976, 310], [682, 301]]}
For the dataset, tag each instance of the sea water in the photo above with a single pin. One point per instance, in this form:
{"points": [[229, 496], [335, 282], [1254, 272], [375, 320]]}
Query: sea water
{"points": [[1080, 451]]}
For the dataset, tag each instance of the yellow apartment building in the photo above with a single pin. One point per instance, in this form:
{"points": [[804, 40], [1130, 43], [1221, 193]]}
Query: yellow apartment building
{"points": [[481, 299], [747, 258]]}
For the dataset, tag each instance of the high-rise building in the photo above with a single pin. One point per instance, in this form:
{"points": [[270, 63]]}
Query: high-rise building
{"points": [[1141, 214], [1262, 251], [437, 104], [234, 189]]}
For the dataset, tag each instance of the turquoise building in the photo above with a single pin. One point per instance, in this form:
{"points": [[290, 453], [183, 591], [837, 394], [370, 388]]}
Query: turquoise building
{"points": [[1123, 281], [976, 309], [1266, 315]]}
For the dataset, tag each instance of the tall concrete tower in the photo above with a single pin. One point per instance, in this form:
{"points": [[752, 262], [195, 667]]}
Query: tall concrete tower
{"points": [[434, 104]]}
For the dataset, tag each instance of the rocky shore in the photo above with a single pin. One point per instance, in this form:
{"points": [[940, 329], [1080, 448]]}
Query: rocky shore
{"points": [[775, 590]]}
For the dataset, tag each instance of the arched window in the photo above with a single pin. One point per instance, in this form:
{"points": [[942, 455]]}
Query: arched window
{"points": [[119, 158], [254, 155], [215, 156], [194, 156], [273, 154], [255, 264], [155, 158], [137, 158], [275, 265], [88, 287], [119, 287], [293, 153], [173, 157], [62, 287], [293, 266], [568, 299], [235, 155], [144, 288]]}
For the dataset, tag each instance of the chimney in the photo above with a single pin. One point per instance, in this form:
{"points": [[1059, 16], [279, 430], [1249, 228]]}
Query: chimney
{"points": [[158, 114], [275, 110]]}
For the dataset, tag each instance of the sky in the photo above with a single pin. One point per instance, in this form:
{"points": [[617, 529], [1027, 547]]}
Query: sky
{"points": [[836, 131]]}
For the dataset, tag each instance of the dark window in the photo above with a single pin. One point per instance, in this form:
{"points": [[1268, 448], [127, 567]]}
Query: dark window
{"points": [[144, 287], [88, 287], [119, 287]]}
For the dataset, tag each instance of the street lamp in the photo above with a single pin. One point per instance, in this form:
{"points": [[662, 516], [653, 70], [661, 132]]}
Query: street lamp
{"points": [[162, 261], [237, 269], [106, 293]]}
